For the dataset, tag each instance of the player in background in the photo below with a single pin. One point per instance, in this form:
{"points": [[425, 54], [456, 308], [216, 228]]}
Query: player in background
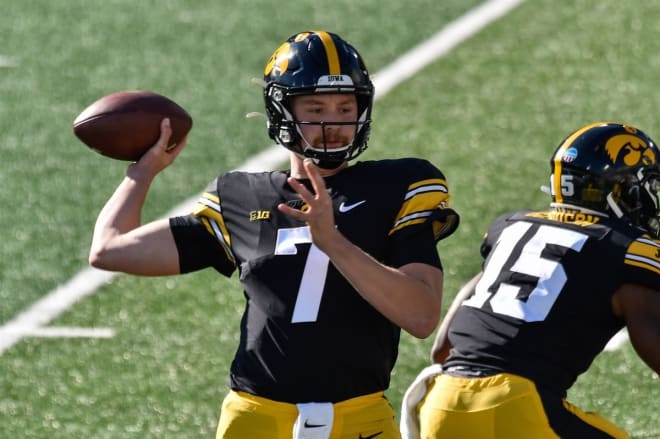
{"points": [[555, 286], [334, 259]]}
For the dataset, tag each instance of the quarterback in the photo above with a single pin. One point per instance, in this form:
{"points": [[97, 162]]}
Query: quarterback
{"points": [[555, 286], [334, 260]]}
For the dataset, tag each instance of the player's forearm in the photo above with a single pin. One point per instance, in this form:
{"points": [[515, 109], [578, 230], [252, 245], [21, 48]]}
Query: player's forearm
{"points": [[121, 214], [411, 301]]}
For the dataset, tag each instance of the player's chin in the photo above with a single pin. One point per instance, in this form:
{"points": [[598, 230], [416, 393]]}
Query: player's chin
{"points": [[332, 145]]}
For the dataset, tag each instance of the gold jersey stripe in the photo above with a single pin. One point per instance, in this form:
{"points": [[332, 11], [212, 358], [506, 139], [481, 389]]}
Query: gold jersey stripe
{"points": [[647, 265], [220, 233], [209, 211], [644, 253], [214, 216], [431, 182], [422, 202], [419, 219], [421, 199], [207, 201]]}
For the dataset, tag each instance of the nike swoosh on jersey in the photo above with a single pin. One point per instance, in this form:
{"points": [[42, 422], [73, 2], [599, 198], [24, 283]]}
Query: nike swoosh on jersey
{"points": [[308, 425], [343, 207], [371, 436]]}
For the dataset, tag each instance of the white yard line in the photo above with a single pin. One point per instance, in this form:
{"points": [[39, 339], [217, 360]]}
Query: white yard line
{"points": [[71, 332], [86, 282]]}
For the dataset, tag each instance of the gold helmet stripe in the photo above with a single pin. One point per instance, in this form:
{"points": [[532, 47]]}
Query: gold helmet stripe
{"points": [[557, 160], [331, 52]]}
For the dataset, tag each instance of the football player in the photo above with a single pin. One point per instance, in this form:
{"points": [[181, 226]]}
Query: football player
{"points": [[334, 259], [556, 285]]}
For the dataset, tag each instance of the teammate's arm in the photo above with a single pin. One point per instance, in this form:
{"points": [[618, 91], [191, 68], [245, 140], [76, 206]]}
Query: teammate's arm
{"points": [[640, 307], [119, 242], [441, 345], [410, 297]]}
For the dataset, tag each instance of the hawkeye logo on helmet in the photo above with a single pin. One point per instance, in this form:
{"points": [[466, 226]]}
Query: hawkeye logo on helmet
{"points": [[631, 149], [279, 60]]}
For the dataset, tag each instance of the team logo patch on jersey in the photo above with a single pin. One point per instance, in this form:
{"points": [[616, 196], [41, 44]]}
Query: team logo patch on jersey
{"points": [[259, 215]]}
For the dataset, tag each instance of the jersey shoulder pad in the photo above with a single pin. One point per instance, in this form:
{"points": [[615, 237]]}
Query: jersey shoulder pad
{"points": [[406, 168], [643, 257], [496, 227]]}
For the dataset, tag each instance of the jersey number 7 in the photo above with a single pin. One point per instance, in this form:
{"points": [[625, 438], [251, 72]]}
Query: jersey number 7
{"points": [[310, 291]]}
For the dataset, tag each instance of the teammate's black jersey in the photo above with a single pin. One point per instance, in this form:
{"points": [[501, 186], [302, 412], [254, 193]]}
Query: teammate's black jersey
{"points": [[543, 307], [306, 334]]}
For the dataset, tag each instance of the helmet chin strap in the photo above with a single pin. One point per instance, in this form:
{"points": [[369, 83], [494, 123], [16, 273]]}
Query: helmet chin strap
{"points": [[328, 164], [322, 162], [615, 207]]}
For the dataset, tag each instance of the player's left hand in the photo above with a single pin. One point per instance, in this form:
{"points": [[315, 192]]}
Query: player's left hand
{"points": [[317, 211]]}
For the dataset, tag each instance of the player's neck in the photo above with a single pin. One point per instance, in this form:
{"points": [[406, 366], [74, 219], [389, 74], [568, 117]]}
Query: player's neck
{"points": [[298, 171]]}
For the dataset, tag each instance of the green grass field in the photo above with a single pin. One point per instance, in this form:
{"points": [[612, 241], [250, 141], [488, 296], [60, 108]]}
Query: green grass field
{"points": [[488, 114]]}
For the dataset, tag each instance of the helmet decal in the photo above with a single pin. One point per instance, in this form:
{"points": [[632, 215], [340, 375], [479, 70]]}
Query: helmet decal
{"points": [[631, 149], [558, 158], [279, 60], [570, 155], [330, 52]]}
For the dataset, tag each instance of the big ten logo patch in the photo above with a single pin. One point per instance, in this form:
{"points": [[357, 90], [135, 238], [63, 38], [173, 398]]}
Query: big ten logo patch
{"points": [[260, 215]]}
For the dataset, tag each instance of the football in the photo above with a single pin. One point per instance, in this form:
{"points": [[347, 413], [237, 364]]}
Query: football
{"points": [[125, 124]]}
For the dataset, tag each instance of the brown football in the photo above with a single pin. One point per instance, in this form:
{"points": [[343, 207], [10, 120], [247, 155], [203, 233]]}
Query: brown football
{"points": [[123, 125]]}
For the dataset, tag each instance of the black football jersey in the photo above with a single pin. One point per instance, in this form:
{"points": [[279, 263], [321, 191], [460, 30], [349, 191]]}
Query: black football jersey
{"points": [[306, 334], [543, 307]]}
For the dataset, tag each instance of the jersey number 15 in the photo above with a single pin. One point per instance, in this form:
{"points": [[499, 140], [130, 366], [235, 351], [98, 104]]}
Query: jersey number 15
{"points": [[517, 251]]}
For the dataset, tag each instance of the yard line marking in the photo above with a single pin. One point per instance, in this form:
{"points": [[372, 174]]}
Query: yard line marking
{"points": [[86, 282], [441, 43], [70, 332], [83, 284]]}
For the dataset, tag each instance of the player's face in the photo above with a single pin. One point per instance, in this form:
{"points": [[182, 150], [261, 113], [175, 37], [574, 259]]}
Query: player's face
{"points": [[338, 112]]}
